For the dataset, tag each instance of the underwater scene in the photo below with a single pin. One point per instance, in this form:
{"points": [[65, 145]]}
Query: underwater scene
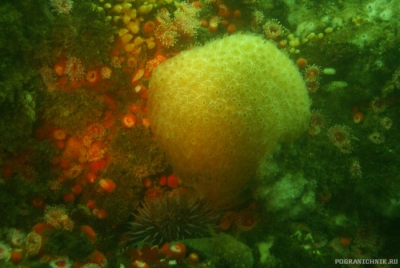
{"points": [[199, 134]]}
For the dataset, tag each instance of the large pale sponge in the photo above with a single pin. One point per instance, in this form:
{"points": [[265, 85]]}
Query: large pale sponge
{"points": [[217, 110]]}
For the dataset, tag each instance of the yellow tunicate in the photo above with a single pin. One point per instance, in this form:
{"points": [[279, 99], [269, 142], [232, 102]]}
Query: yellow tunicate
{"points": [[168, 1], [122, 31], [108, 18], [100, 9], [126, 19], [117, 8], [142, 9], [320, 35], [126, 38], [126, 6], [294, 42], [116, 18], [311, 36], [107, 6], [151, 45], [328, 30], [138, 40], [133, 26], [129, 47], [131, 13]]}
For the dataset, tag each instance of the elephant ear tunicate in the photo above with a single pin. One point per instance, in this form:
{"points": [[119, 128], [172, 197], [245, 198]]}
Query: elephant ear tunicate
{"points": [[217, 110]]}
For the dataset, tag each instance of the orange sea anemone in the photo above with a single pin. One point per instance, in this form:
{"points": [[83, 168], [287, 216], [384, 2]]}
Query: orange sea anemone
{"points": [[193, 258], [59, 134], [178, 251], [172, 181], [89, 232], [93, 77], [231, 28], [213, 24], [59, 68], [107, 185], [16, 257], [129, 120], [358, 117], [149, 27]]}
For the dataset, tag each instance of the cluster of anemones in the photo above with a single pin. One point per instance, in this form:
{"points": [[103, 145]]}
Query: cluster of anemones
{"points": [[95, 153], [57, 217], [92, 132], [170, 254], [62, 6], [340, 136], [165, 32], [311, 76]]}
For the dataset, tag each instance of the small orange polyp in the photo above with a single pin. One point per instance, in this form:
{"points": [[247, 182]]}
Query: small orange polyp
{"points": [[100, 213], [172, 181], [59, 68], [358, 117], [107, 185], [178, 251], [93, 77], [139, 89], [140, 264], [129, 120]]}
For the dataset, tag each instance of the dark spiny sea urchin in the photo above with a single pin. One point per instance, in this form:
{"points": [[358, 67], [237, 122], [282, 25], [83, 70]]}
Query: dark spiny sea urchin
{"points": [[171, 218]]}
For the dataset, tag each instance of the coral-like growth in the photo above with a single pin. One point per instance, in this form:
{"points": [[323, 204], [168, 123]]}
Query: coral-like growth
{"points": [[216, 115]]}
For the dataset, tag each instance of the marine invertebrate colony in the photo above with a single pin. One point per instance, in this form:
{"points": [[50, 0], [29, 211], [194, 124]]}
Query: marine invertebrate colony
{"points": [[340, 137], [217, 116], [171, 218], [62, 6]]}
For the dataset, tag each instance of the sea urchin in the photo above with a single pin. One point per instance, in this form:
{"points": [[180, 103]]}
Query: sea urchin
{"points": [[171, 218]]}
